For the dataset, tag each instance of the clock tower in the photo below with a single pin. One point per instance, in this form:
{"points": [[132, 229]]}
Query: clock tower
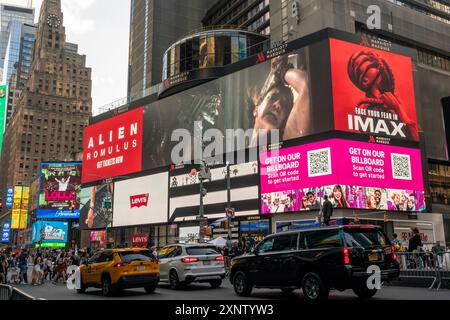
{"points": [[54, 107]]}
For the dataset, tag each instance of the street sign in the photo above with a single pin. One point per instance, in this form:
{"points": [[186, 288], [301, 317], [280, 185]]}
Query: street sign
{"points": [[230, 213]]}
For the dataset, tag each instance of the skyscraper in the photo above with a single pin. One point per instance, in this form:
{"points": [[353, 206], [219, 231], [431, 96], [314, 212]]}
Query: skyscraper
{"points": [[19, 54], [54, 107], [155, 26], [19, 51], [10, 13]]}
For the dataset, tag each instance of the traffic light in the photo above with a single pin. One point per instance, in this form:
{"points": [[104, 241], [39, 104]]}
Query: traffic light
{"points": [[1, 205], [72, 207]]}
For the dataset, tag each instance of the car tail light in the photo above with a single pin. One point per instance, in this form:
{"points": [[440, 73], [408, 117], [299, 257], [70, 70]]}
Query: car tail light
{"points": [[346, 255], [394, 253], [220, 258], [156, 261], [189, 260], [121, 264]]}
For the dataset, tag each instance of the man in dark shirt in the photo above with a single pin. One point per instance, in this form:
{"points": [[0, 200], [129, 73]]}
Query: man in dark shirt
{"points": [[415, 243], [327, 211]]}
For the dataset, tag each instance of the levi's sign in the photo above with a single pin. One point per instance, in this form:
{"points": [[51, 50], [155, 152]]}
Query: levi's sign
{"points": [[138, 201]]}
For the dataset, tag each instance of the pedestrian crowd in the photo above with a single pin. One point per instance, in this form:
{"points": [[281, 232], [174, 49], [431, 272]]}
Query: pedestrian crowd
{"points": [[34, 267]]}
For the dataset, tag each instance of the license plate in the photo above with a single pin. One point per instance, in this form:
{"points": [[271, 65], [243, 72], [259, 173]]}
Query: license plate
{"points": [[374, 257], [140, 268], [206, 263]]}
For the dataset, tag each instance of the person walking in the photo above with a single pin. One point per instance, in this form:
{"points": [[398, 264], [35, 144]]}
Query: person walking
{"points": [[250, 243], [243, 245], [396, 243], [3, 268], [60, 269], [23, 257], [438, 252], [327, 210]]}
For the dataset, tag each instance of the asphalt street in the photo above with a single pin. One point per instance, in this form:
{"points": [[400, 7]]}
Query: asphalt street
{"points": [[50, 291]]}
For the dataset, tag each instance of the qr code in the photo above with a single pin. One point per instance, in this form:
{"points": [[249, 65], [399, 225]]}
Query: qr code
{"points": [[319, 163], [401, 166]]}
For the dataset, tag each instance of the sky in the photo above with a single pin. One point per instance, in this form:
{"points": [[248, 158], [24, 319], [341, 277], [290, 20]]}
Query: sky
{"points": [[101, 30]]}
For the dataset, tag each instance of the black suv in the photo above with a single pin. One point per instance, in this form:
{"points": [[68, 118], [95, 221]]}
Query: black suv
{"points": [[317, 260]]}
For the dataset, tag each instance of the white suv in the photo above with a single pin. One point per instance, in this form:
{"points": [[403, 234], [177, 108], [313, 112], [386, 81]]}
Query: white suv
{"points": [[182, 264]]}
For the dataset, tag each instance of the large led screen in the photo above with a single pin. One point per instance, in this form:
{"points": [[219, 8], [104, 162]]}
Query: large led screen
{"points": [[96, 206], [373, 91], [113, 147], [59, 190], [274, 95], [50, 232], [141, 201], [353, 174]]}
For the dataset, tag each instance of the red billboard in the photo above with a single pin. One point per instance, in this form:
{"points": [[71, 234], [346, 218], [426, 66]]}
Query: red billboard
{"points": [[373, 92], [113, 147], [140, 240]]}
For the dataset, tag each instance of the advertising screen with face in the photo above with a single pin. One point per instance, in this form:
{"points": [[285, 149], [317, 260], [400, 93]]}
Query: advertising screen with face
{"points": [[141, 201], [113, 147], [274, 95], [353, 174], [373, 92], [59, 190], [50, 231], [96, 206]]}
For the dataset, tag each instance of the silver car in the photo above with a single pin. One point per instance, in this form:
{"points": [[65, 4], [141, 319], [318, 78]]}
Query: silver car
{"points": [[182, 264]]}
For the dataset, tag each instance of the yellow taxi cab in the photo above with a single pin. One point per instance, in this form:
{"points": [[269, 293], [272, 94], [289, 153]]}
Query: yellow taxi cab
{"points": [[116, 269]]}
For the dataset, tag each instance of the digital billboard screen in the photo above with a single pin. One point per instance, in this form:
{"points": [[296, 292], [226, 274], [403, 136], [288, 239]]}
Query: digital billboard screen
{"points": [[373, 91], [96, 206], [353, 174], [59, 190], [141, 201], [298, 90], [113, 147], [50, 232]]}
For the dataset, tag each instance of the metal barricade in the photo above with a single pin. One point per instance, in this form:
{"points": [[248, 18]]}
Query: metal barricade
{"points": [[443, 267], [419, 265], [8, 293], [5, 292], [19, 295]]}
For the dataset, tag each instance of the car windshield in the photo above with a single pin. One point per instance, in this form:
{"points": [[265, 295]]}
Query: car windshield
{"points": [[364, 238], [202, 251], [130, 256]]}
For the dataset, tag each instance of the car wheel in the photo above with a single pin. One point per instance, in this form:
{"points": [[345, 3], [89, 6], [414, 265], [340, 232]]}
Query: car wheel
{"points": [[288, 290], [313, 288], [242, 285], [363, 292], [216, 283], [150, 288], [174, 282], [107, 287]]}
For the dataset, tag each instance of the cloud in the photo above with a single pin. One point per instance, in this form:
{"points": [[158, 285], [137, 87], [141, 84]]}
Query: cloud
{"points": [[75, 18]]}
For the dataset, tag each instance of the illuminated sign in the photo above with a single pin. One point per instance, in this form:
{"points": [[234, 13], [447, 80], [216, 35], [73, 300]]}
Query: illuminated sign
{"points": [[373, 91], [353, 174], [113, 147], [59, 190]]}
